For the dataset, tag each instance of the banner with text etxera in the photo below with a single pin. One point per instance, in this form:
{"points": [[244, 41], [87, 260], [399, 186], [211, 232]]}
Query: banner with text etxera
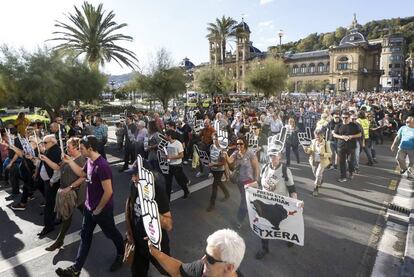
{"points": [[273, 216]]}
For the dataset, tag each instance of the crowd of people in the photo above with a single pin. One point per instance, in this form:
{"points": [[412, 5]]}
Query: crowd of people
{"points": [[67, 164]]}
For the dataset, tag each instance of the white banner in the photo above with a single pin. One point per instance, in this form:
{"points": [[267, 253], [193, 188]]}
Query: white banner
{"points": [[273, 216]]}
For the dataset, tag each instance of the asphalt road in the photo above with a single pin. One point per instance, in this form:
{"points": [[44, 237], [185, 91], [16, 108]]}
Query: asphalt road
{"points": [[342, 227]]}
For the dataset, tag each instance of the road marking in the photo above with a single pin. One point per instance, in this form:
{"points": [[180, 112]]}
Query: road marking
{"points": [[392, 185], [39, 251]]}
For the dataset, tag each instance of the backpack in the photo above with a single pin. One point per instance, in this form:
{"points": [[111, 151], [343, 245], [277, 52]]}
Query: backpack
{"points": [[284, 171]]}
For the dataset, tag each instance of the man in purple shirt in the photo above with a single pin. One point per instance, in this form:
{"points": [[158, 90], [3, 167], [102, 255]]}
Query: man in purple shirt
{"points": [[98, 205]]}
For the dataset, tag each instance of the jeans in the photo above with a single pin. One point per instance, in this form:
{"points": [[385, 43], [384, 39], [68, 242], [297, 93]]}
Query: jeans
{"points": [[14, 176], [344, 156], [357, 152], [217, 183], [295, 150], [368, 150], [129, 154], [401, 156], [50, 200], [242, 211], [182, 180], [105, 220]]}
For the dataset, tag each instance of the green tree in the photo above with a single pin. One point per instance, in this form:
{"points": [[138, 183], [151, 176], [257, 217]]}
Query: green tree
{"points": [[92, 32], [164, 81], [328, 40], [221, 30], [44, 80], [290, 85], [268, 77], [307, 86], [213, 80], [340, 33]]}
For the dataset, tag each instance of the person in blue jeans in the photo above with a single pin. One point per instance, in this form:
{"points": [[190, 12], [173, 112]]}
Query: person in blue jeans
{"points": [[99, 206], [247, 165], [405, 141]]}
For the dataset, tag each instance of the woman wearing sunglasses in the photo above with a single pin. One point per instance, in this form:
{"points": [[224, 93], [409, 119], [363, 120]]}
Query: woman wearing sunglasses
{"points": [[246, 173]]}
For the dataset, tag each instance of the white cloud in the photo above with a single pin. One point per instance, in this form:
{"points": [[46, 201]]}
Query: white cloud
{"points": [[264, 2], [268, 23]]}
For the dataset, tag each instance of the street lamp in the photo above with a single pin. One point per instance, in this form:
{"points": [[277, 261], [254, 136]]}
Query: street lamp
{"points": [[280, 34]]}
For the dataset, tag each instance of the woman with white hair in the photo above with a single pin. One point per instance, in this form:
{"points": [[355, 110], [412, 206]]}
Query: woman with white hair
{"points": [[320, 155], [222, 257]]}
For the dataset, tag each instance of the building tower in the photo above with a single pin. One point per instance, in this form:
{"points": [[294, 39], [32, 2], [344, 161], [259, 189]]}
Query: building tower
{"points": [[215, 51], [242, 53]]}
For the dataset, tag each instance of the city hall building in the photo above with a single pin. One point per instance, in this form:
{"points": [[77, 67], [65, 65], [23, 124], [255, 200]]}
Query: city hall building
{"points": [[355, 64]]}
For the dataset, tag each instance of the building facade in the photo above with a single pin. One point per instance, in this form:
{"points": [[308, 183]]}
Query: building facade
{"points": [[355, 64]]}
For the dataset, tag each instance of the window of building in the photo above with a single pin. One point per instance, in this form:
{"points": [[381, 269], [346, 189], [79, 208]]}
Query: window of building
{"points": [[312, 68], [397, 65], [343, 63], [327, 67], [295, 69], [321, 67], [303, 68], [390, 65]]}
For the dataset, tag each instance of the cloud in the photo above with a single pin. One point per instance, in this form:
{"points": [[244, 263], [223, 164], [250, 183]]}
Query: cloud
{"points": [[268, 23], [264, 2]]}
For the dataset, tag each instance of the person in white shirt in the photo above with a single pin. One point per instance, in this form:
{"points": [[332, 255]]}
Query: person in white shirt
{"points": [[175, 155]]}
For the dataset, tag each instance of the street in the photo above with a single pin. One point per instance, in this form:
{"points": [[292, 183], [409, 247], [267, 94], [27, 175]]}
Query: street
{"points": [[342, 227]]}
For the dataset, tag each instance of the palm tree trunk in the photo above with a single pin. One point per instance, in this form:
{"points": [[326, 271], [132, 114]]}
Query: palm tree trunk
{"points": [[223, 50]]}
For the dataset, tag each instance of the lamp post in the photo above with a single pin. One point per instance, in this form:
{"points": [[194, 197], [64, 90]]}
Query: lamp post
{"points": [[280, 34]]}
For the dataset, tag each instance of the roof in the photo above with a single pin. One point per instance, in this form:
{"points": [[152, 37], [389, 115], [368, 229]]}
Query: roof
{"points": [[353, 39], [243, 25], [307, 55], [186, 63]]}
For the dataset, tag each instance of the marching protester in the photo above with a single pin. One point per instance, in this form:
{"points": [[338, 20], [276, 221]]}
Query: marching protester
{"points": [[135, 229], [246, 172], [101, 134], [347, 134], [71, 193], [292, 141], [99, 205], [319, 158], [50, 176], [276, 177], [217, 162], [336, 120], [129, 145], [405, 141], [223, 255], [175, 155]]}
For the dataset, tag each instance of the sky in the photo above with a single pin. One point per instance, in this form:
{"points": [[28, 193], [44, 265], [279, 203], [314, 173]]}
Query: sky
{"points": [[180, 25]]}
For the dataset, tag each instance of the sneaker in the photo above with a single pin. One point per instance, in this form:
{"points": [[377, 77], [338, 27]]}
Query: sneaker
{"points": [[355, 172], [375, 161], [402, 171], [185, 162], [260, 254], [315, 192], [351, 175], [199, 174], [186, 194], [18, 207], [117, 264], [190, 159], [370, 163], [341, 180], [42, 205], [31, 197], [210, 175], [67, 272]]}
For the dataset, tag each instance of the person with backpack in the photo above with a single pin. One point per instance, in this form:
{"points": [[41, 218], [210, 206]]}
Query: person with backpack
{"points": [[319, 158], [276, 177]]}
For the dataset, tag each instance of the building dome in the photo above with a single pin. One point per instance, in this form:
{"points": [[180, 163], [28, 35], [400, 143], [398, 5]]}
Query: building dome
{"points": [[186, 64], [354, 38], [242, 26]]}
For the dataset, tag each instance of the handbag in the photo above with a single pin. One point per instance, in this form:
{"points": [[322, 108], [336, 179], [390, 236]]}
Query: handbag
{"points": [[234, 175], [129, 252]]}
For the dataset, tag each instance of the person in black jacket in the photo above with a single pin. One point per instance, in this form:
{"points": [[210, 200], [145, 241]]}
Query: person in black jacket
{"points": [[48, 171]]}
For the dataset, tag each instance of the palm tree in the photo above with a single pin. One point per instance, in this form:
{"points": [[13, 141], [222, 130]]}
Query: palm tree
{"points": [[92, 33], [221, 30]]}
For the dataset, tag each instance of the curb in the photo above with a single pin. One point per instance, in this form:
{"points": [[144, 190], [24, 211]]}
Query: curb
{"points": [[407, 268]]}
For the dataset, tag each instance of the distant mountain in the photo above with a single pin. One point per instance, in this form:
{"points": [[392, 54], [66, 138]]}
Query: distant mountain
{"points": [[371, 30], [120, 80]]}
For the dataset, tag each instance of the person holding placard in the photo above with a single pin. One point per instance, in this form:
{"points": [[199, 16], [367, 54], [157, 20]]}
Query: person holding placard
{"points": [[277, 178], [136, 232]]}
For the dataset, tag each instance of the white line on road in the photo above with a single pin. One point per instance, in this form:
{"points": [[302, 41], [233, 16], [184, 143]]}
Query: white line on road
{"points": [[39, 251]]}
